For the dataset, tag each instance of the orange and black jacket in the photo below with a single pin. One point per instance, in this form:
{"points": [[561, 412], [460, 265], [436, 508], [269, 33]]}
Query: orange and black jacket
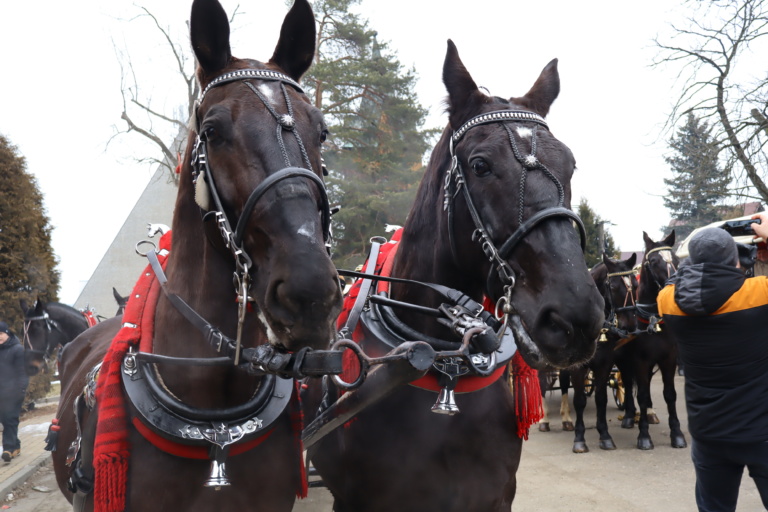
{"points": [[719, 319]]}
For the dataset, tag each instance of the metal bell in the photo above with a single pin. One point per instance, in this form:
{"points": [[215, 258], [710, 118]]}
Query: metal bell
{"points": [[446, 403], [218, 477], [657, 327], [602, 337]]}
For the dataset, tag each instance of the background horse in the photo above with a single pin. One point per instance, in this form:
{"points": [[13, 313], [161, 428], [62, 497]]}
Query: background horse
{"points": [[617, 284], [266, 224], [509, 185], [655, 347], [48, 326]]}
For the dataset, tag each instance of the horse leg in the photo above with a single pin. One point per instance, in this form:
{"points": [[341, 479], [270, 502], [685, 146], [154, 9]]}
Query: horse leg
{"points": [[544, 385], [626, 367], [579, 403], [670, 397], [565, 408], [600, 375], [643, 401]]}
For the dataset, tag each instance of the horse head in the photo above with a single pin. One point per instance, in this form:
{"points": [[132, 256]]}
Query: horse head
{"points": [[505, 212], [617, 284], [41, 337], [254, 163], [659, 264]]}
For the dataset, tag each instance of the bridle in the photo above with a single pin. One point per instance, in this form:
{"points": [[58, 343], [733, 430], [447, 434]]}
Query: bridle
{"points": [[50, 326], [665, 252], [455, 182], [205, 186], [630, 303]]}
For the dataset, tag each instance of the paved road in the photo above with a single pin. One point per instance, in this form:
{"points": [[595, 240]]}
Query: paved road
{"points": [[551, 478]]}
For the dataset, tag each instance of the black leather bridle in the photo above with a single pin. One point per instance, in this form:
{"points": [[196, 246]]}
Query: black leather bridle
{"points": [[455, 182]]}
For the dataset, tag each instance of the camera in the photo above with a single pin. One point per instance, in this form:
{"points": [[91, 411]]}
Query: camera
{"points": [[740, 227]]}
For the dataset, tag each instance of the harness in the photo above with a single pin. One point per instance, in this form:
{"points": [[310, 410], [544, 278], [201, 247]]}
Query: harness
{"points": [[611, 323]]}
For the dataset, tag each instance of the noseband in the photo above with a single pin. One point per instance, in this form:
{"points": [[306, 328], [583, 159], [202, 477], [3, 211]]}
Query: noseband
{"points": [[455, 181]]}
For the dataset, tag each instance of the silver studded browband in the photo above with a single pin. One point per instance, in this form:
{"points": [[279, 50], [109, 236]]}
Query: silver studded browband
{"points": [[495, 117], [244, 74]]}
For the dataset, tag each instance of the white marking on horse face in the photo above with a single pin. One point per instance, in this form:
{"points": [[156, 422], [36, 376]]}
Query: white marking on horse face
{"points": [[524, 131], [627, 282], [268, 92], [271, 336], [666, 256], [307, 230]]}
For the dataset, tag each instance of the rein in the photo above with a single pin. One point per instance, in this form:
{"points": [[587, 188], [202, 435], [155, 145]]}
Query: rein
{"points": [[455, 182]]}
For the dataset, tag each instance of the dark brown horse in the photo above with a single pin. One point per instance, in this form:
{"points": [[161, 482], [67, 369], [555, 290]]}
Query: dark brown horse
{"points": [[616, 282], [653, 347], [267, 224], [509, 185]]}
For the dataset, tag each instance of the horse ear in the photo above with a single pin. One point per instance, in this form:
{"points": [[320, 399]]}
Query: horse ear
{"points": [[209, 33], [647, 240], [295, 50], [544, 90], [463, 95], [39, 306], [670, 240], [632, 260], [116, 295], [24, 306], [606, 259]]}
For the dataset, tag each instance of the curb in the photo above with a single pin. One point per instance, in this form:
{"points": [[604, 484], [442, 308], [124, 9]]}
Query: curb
{"points": [[23, 474]]}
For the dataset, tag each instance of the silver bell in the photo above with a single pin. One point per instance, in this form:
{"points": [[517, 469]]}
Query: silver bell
{"points": [[218, 477], [446, 403]]}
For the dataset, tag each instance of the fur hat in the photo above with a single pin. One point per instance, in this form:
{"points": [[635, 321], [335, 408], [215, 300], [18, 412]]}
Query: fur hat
{"points": [[713, 245], [4, 328]]}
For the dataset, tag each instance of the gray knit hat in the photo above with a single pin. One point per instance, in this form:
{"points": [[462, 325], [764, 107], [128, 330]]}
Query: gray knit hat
{"points": [[4, 328], [713, 245]]}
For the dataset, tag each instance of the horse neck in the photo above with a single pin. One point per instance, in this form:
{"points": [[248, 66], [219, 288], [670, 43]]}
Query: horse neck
{"points": [[71, 321], [199, 271], [424, 252]]}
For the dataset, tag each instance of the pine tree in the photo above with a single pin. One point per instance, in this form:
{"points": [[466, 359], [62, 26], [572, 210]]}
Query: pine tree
{"points": [[376, 147], [596, 230], [27, 261], [698, 184]]}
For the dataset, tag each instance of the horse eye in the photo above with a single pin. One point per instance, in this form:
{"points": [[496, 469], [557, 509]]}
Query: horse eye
{"points": [[209, 133], [323, 136], [480, 167]]}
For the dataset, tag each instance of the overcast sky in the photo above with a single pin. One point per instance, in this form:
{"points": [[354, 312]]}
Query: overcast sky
{"points": [[60, 95]]}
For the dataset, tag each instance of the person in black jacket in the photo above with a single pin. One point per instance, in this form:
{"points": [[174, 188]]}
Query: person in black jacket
{"points": [[13, 386], [717, 316]]}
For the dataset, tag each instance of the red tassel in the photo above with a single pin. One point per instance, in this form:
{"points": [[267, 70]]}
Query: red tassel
{"points": [[524, 382], [111, 475]]}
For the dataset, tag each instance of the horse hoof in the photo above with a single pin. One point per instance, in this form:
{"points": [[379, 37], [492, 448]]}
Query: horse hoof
{"points": [[653, 419], [644, 444], [580, 447], [568, 426], [679, 441], [607, 444], [543, 427], [628, 423]]}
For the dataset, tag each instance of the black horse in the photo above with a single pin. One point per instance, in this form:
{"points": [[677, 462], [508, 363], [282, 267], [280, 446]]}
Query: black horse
{"points": [[654, 346], [617, 284], [492, 218], [47, 327]]}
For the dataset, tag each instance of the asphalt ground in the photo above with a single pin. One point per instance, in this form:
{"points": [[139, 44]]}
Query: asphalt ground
{"points": [[550, 478]]}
